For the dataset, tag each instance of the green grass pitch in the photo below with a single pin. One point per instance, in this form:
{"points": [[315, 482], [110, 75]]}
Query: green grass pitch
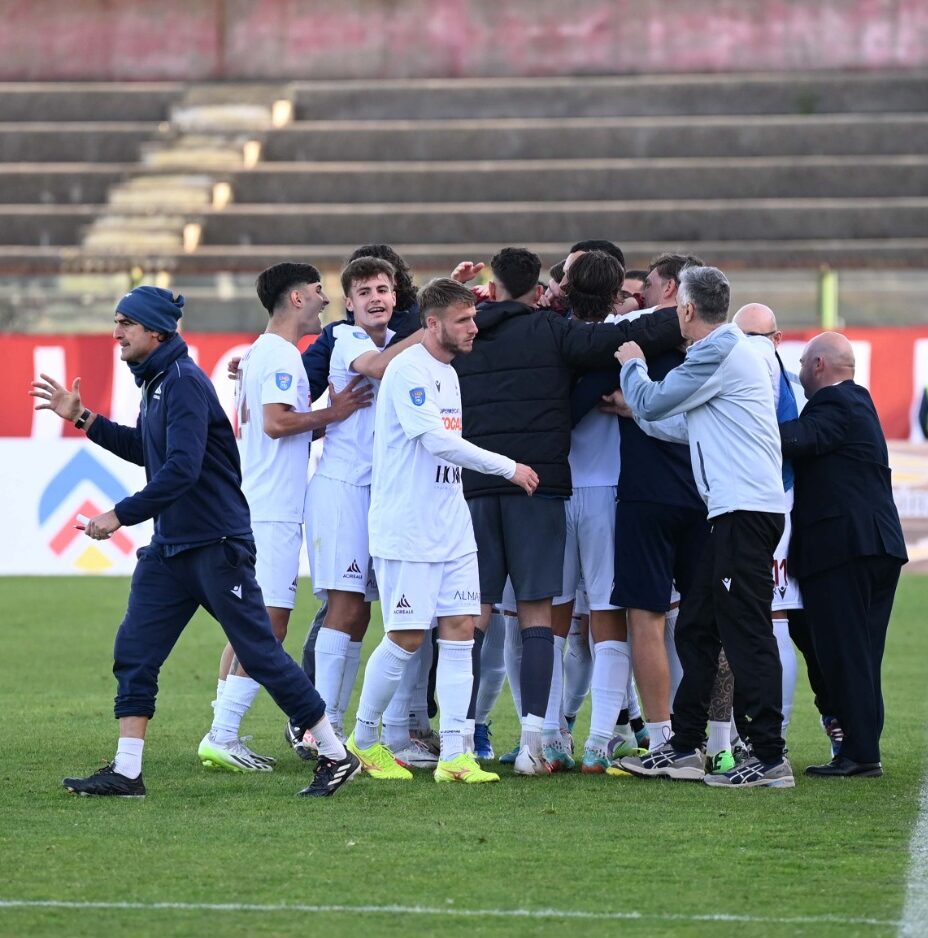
{"points": [[677, 854]]}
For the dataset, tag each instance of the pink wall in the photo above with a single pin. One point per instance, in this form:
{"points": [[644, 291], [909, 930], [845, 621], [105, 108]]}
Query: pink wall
{"points": [[271, 39]]}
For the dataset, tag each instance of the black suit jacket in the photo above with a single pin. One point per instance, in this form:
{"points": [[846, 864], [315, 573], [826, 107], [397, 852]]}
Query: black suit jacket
{"points": [[844, 504]]}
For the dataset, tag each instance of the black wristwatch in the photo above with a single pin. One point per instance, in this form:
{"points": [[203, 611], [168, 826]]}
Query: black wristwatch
{"points": [[81, 421]]}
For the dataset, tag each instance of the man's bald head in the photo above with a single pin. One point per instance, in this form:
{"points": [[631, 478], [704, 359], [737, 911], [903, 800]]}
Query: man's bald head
{"points": [[757, 319], [827, 359]]}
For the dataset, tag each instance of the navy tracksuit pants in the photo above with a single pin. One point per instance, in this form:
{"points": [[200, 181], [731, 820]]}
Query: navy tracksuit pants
{"points": [[167, 591]]}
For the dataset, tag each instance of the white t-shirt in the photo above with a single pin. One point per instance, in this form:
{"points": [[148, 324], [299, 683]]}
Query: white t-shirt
{"points": [[594, 450], [273, 471], [594, 443], [349, 444], [418, 510]]}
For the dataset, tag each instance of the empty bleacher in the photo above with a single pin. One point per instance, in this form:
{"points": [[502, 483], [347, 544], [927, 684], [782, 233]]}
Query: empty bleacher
{"points": [[759, 171]]}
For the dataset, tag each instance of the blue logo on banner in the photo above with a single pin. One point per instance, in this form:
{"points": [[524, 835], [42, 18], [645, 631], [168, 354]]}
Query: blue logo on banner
{"points": [[417, 396], [83, 467], [283, 380]]}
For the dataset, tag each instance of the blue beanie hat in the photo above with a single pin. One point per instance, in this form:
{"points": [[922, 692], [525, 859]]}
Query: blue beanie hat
{"points": [[152, 307]]}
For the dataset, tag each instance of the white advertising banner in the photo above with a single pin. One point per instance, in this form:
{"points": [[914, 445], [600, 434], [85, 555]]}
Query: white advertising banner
{"points": [[48, 483]]}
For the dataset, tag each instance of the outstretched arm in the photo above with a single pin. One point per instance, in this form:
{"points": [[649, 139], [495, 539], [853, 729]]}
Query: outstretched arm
{"points": [[125, 442]]}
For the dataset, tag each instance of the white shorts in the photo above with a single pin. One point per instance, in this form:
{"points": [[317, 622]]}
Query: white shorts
{"points": [[336, 537], [589, 553], [278, 545], [786, 593], [413, 593]]}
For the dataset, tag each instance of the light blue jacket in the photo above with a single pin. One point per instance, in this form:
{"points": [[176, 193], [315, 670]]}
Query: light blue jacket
{"points": [[720, 401]]}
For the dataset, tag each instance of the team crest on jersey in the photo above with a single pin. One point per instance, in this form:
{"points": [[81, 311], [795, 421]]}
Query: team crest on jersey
{"points": [[359, 334], [417, 396], [283, 380]]}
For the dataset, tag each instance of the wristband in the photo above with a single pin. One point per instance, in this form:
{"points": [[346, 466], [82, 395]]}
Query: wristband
{"points": [[81, 421]]}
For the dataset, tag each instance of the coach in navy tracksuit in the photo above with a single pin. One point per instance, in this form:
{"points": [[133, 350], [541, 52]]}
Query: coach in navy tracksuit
{"points": [[202, 552]]}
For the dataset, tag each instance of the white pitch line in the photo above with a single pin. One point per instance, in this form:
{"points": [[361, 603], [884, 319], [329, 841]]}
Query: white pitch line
{"points": [[915, 913], [445, 912]]}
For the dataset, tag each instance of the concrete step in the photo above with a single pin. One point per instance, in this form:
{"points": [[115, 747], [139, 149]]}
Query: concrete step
{"points": [[426, 259], [88, 101], [600, 138], [518, 222], [74, 142], [582, 179], [503, 180], [60, 183], [44, 225], [632, 95]]}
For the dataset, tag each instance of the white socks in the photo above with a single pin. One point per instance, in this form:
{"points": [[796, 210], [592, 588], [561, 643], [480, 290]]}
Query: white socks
{"points": [[237, 696], [396, 716], [788, 660], [531, 733], [419, 709], [673, 660], [611, 664], [385, 669], [454, 682], [719, 737], [513, 659], [328, 743], [578, 669], [658, 733], [349, 676], [128, 759], [551, 733], [492, 668], [331, 655], [220, 687]]}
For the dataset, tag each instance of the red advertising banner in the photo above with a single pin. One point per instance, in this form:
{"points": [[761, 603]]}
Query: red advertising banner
{"points": [[892, 362]]}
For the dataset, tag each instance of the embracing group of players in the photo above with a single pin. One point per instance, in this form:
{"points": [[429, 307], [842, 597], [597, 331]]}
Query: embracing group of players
{"points": [[482, 476]]}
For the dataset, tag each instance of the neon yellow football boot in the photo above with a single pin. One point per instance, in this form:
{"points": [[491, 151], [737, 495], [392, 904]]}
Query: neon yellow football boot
{"points": [[378, 761], [463, 768]]}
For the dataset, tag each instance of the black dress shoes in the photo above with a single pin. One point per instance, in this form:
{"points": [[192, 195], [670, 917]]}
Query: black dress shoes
{"points": [[841, 767]]}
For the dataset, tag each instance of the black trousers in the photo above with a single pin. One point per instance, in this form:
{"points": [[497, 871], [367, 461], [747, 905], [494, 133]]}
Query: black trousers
{"points": [[849, 608], [729, 606]]}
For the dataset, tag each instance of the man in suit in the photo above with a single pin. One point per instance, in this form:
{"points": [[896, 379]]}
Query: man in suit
{"points": [[847, 546]]}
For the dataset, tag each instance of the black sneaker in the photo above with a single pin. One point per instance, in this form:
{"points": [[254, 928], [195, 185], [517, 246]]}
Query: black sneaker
{"points": [[297, 742], [331, 774], [107, 781]]}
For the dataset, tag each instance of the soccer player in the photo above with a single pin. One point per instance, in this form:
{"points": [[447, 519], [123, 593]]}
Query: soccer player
{"points": [[202, 552], [338, 496], [421, 536], [275, 424]]}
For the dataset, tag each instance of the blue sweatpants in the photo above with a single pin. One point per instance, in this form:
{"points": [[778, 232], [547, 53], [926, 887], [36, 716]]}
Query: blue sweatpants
{"points": [[167, 591]]}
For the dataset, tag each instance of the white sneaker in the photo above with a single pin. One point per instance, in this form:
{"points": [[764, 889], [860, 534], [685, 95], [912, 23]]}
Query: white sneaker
{"points": [[429, 738], [416, 756], [231, 756], [267, 760], [530, 763]]}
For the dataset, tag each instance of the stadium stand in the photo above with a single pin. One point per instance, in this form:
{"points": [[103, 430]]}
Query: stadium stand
{"points": [[753, 170]]}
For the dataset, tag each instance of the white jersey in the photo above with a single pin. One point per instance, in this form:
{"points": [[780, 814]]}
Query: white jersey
{"points": [[418, 510], [594, 451], [349, 444], [594, 445], [273, 471]]}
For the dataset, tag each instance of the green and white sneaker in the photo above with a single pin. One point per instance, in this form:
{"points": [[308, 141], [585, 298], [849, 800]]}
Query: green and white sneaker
{"points": [[231, 756], [720, 763]]}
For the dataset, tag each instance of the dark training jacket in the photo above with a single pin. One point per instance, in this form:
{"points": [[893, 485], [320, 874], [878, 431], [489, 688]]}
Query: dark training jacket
{"points": [[516, 383], [186, 444]]}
